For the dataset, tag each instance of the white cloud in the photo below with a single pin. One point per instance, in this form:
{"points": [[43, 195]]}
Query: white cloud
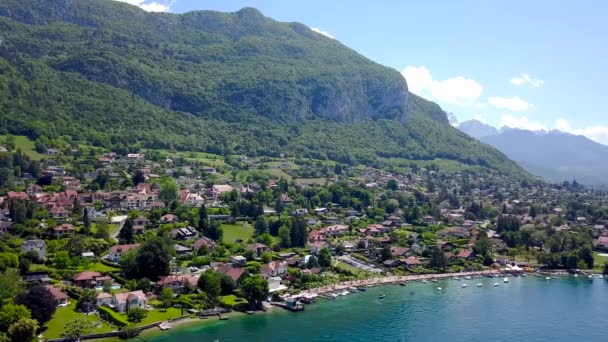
{"points": [[513, 103], [154, 6], [457, 90], [525, 78], [521, 123], [325, 33], [597, 133]]}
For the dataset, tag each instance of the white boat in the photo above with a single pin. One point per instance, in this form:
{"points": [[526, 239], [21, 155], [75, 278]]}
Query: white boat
{"points": [[344, 293], [456, 278], [425, 282], [333, 295], [547, 278], [439, 289], [576, 276], [479, 285], [496, 284], [601, 276], [463, 285], [506, 280], [590, 276], [467, 278], [434, 280]]}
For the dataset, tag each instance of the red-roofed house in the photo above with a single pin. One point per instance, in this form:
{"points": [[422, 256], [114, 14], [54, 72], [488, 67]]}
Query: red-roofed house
{"points": [[178, 283], [60, 297], [204, 241], [465, 254], [233, 272], [63, 229], [116, 252], [273, 269], [86, 279]]}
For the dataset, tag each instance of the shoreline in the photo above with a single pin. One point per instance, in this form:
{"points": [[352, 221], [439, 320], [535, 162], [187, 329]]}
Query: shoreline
{"points": [[379, 281]]}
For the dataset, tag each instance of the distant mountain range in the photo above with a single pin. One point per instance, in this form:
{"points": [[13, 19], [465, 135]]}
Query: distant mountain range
{"points": [[554, 155]]}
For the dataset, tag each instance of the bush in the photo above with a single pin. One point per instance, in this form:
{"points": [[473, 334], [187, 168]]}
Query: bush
{"points": [[137, 315], [112, 316], [129, 332]]}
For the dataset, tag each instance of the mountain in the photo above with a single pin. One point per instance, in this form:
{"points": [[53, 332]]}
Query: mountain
{"points": [[553, 155], [477, 129], [113, 75]]}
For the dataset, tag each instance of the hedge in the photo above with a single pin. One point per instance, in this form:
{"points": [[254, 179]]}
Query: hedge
{"points": [[113, 316], [108, 263]]}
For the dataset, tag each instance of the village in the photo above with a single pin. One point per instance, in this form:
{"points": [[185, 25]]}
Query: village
{"points": [[119, 241]]}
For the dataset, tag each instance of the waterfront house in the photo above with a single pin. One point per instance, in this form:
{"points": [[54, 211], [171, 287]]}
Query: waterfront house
{"points": [[123, 302], [273, 269], [233, 272], [36, 245]]}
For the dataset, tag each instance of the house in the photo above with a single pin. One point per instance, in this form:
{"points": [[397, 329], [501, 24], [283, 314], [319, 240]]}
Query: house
{"points": [[204, 241], [237, 260], [168, 218], [37, 278], [300, 212], [454, 232], [284, 198], [182, 250], [316, 247], [233, 272], [428, 219], [185, 233], [5, 226], [601, 242], [391, 263], [411, 262], [123, 302], [86, 279], [12, 195], [178, 283], [273, 269], [275, 284], [36, 245], [321, 211], [219, 189], [258, 248], [60, 297], [116, 252], [63, 230], [139, 223], [465, 254], [400, 251]]}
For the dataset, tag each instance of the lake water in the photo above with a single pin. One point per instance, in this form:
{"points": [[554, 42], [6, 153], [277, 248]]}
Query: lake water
{"points": [[525, 309]]}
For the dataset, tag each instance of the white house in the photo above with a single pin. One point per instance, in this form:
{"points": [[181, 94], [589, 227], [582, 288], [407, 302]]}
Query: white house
{"points": [[122, 302]]}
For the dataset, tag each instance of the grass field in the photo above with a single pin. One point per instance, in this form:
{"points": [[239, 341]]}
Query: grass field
{"points": [[346, 267], [25, 145], [158, 316], [66, 314], [97, 267], [233, 300], [238, 231], [599, 260], [311, 181]]}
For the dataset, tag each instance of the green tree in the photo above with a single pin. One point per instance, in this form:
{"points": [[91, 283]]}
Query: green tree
{"points": [[11, 313], [86, 302], [227, 284], [102, 231], [136, 314], [203, 219], [392, 185], [166, 298], [313, 262], [324, 257], [261, 227], [210, 283], [438, 259], [86, 220], [169, 192], [255, 289], [138, 177], [77, 327], [386, 253], [153, 258], [23, 330], [39, 301], [214, 231], [10, 285], [284, 237], [127, 234], [61, 260]]}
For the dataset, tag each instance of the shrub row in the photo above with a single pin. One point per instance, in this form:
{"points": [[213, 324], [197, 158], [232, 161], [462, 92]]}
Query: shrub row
{"points": [[112, 316]]}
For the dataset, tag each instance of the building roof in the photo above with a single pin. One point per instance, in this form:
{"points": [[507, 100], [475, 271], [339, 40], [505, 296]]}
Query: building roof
{"points": [[86, 276], [57, 293]]}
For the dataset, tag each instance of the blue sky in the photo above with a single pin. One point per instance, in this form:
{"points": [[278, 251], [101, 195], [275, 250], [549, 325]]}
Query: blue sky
{"points": [[527, 64]]}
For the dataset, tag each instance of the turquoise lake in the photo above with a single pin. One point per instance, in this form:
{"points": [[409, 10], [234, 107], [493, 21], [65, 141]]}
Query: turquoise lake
{"points": [[525, 309]]}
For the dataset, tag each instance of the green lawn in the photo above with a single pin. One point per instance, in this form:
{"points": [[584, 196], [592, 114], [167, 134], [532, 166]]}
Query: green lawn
{"points": [[66, 314], [159, 316], [346, 267], [311, 181], [97, 267], [25, 145], [233, 300], [599, 260], [238, 231]]}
